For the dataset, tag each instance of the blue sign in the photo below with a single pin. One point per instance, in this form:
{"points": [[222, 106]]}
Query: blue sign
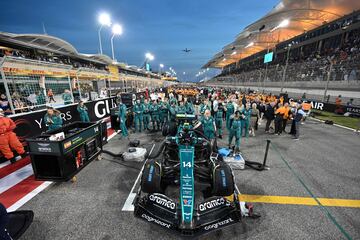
{"points": [[268, 57]]}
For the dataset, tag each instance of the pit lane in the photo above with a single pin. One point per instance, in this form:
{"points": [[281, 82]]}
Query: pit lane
{"points": [[325, 158]]}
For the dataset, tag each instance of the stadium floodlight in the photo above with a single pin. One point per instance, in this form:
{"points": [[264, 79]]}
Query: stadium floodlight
{"points": [[224, 59], [282, 24], [104, 20], [161, 67], [249, 45], [233, 53], [116, 30], [184, 73], [149, 56]]}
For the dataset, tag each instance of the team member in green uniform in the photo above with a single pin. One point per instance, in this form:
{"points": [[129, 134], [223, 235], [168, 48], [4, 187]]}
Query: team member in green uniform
{"points": [[203, 107], [82, 109], [209, 127], [246, 113], [229, 111], [172, 112], [146, 115], [155, 115], [66, 96], [219, 119], [235, 131], [138, 115], [53, 119], [189, 106], [181, 109], [164, 112], [122, 119]]}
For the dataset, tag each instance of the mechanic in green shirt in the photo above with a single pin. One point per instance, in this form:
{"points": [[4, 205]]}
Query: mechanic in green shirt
{"points": [[53, 119], [235, 131], [229, 111], [122, 119], [208, 123], [146, 115], [138, 111], [66, 96], [155, 115], [82, 109]]}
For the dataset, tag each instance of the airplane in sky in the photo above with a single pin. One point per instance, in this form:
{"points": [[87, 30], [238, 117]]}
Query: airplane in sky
{"points": [[186, 50]]}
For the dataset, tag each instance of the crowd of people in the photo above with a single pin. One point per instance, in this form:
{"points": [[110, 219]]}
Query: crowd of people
{"points": [[218, 110]]}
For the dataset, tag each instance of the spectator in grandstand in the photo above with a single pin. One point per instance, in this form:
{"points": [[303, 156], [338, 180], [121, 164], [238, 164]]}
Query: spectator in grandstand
{"points": [[122, 118], [255, 115], [53, 119], [8, 139], [67, 97], [83, 111], [5, 105], [269, 115], [50, 95]]}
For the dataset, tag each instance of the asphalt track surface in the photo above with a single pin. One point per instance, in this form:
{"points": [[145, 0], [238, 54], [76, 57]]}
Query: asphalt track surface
{"points": [[326, 158]]}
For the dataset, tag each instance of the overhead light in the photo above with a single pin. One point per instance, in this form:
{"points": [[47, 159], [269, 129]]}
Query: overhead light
{"points": [[149, 56], [161, 65], [233, 53], [117, 29], [104, 19], [249, 45], [282, 24], [224, 59]]}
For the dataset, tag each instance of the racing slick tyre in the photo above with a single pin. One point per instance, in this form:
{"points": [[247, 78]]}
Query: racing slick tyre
{"points": [[223, 181], [151, 177]]}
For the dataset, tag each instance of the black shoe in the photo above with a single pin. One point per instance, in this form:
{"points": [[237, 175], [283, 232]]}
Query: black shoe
{"points": [[12, 160]]}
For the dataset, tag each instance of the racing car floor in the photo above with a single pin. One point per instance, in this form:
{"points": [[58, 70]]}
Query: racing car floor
{"points": [[324, 163]]}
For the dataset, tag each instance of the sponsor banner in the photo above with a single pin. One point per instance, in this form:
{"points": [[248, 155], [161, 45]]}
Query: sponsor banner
{"points": [[32, 124], [156, 221], [212, 204], [162, 201], [219, 224], [330, 107]]}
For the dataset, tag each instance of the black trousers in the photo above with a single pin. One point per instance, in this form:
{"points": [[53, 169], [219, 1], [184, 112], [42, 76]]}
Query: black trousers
{"points": [[284, 124], [267, 126], [278, 125]]}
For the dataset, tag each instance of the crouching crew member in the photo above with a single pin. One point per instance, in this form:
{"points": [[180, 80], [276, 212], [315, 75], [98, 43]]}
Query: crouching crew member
{"points": [[53, 119], [8, 139], [208, 125], [235, 131], [122, 119], [82, 109]]}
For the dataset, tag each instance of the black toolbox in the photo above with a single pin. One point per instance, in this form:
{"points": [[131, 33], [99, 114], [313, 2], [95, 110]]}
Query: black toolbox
{"points": [[61, 160]]}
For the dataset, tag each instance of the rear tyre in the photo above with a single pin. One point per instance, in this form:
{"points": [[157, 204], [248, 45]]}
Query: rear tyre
{"points": [[151, 178], [223, 181]]}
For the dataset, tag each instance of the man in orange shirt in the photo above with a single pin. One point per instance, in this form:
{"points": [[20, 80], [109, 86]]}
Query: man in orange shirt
{"points": [[8, 139], [280, 114]]}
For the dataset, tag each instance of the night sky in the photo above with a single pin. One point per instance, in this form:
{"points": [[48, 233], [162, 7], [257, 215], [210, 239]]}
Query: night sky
{"points": [[161, 27]]}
